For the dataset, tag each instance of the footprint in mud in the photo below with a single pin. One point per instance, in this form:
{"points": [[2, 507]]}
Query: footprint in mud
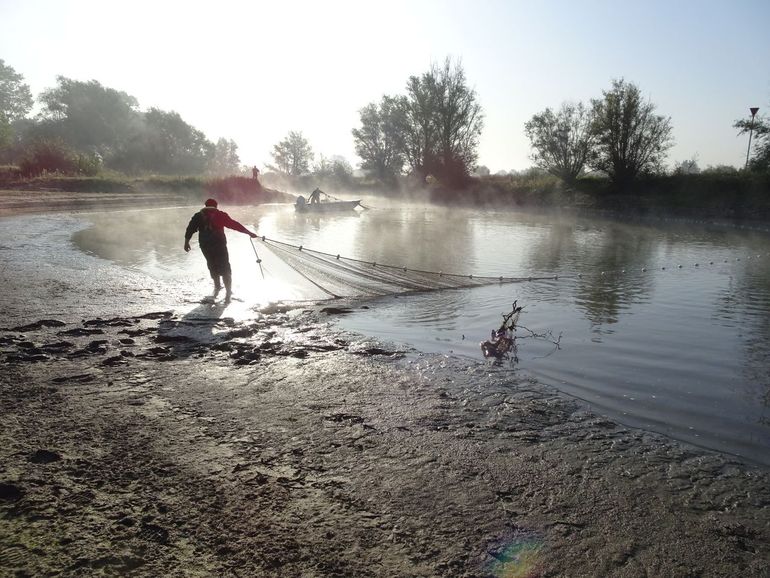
{"points": [[344, 417], [116, 360], [79, 332], [157, 315], [43, 457], [153, 533], [135, 332], [10, 493], [114, 322], [96, 347], [38, 325], [158, 354], [57, 346], [26, 358]]}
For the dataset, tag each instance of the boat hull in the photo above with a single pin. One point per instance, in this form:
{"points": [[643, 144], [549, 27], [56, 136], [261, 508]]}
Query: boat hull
{"points": [[327, 207]]}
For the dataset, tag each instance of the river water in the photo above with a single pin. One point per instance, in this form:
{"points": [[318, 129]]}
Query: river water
{"points": [[660, 325]]}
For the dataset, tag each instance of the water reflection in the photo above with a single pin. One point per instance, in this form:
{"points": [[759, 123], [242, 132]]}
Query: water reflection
{"points": [[681, 350]]}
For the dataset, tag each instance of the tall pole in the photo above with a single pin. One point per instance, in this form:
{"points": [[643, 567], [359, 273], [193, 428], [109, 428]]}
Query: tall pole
{"points": [[753, 110]]}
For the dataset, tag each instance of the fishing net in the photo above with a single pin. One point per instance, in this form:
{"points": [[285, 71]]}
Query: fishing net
{"points": [[340, 276]]}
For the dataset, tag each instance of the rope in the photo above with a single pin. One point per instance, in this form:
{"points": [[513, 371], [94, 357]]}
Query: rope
{"points": [[259, 261], [338, 276], [372, 278], [489, 278]]}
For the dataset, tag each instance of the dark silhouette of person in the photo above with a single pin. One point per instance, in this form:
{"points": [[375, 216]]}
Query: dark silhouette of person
{"points": [[255, 172], [210, 225], [315, 196]]}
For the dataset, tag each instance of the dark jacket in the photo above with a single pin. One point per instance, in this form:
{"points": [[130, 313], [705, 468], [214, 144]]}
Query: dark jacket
{"points": [[210, 225]]}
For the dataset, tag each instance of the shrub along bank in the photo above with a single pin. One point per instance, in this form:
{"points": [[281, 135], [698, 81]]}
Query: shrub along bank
{"points": [[720, 195], [732, 196]]}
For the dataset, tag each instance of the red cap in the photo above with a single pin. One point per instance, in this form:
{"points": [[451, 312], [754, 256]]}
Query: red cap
{"points": [[210, 203]]}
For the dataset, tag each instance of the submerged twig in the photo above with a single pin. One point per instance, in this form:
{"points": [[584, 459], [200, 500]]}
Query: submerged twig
{"points": [[502, 343]]}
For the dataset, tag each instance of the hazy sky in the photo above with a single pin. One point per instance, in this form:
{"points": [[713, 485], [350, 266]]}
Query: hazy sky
{"points": [[253, 71]]}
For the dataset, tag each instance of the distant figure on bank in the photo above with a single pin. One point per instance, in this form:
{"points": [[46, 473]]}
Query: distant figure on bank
{"points": [[255, 173], [210, 225]]}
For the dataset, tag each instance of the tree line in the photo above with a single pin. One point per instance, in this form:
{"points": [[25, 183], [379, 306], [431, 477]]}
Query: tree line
{"points": [[84, 126], [432, 130]]}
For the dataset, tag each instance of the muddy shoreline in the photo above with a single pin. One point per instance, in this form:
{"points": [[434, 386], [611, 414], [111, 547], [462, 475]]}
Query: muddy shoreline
{"points": [[143, 437]]}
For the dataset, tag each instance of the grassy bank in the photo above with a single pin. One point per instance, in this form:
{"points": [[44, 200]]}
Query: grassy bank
{"points": [[230, 189], [739, 196], [735, 196]]}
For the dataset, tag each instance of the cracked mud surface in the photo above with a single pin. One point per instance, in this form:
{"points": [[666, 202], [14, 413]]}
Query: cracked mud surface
{"points": [[142, 439]]}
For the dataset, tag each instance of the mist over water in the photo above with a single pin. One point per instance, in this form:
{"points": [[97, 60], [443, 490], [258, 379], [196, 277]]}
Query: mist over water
{"points": [[678, 350]]}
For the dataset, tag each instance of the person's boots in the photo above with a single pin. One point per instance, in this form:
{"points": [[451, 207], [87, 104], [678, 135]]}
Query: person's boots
{"points": [[228, 279]]}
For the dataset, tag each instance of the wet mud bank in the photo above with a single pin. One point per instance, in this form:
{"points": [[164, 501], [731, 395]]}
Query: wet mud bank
{"points": [[281, 447], [145, 438]]}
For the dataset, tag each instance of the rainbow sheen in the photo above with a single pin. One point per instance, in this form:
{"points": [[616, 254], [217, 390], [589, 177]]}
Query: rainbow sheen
{"points": [[520, 559]]}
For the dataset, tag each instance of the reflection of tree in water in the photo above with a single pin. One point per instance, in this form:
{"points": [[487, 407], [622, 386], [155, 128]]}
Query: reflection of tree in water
{"points": [[431, 240], [555, 251], [603, 256], [745, 303]]}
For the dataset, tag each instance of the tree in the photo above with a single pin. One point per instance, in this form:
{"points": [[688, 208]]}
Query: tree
{"points": [[380, 140], [15, 101], [292, 155], [687, 167], [459, 124], [444, 123], [335, 171], [162, 142], [88, 116], [631, 138], [175, 147], [224, 160], [563, 141], [760, 130], [342, 171]]}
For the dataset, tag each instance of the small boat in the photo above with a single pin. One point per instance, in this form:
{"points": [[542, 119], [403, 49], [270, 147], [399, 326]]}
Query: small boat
{"points": [[327, 204]]}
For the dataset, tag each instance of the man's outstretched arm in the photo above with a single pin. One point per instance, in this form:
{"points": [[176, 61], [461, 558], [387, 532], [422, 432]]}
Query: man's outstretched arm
{"points": [[231, 223]]}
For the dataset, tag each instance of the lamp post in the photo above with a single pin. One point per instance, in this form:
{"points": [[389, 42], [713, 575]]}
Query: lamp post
{"points": [[753, 110]]}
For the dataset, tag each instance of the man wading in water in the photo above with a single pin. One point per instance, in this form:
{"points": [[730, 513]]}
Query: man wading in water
{"points": [[210, 225]]}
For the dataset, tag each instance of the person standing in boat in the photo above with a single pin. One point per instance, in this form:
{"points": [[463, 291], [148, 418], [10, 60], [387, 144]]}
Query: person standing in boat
{"points": [[210, 225], [315, 196]]}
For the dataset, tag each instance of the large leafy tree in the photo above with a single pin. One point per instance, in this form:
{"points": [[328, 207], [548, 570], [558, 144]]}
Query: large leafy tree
{"points": [[89, 116], [420, 140], [563, 141], [224, 158], [164, 143], [15, 101], [444, 123], [292, 155], [631, 138], [759, 127], [380, 140]]}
